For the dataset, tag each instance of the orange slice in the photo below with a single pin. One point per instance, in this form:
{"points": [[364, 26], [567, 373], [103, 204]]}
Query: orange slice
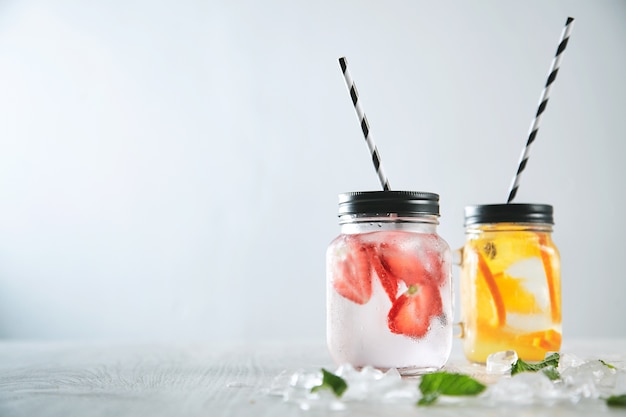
{"points": [[546, 258], [496, 297], [547, 340], [529, 346], [516, 298], [502, 249]]}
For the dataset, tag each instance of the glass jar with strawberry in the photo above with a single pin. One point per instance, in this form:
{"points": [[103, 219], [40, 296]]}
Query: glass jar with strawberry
{"points": [[389, 291]]}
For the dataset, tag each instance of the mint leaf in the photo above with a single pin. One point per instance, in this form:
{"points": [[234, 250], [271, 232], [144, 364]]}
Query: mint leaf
{"points": [[616, 400], [432, 386], [608, 365], [523, 366], [552, 373], [332, 382]]}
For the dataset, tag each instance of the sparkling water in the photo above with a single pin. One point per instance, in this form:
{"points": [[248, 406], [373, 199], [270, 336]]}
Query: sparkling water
{"points": [[360, 333], [373, 343]]}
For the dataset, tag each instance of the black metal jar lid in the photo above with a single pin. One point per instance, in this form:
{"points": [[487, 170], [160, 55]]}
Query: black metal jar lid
{"points": [[385, 202], [509, 213]]}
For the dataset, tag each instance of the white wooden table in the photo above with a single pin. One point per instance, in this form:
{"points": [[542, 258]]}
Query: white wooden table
{"points": [[99, 379]]}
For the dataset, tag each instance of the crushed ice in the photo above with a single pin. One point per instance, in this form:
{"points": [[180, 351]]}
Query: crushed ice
{"points": [[579, 380], [365, 385]]}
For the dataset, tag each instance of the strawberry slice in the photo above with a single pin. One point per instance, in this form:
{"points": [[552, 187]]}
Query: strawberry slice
{"points": [[423, 264], [402, 264], [387, 279], [351, 270], [411, 313]]}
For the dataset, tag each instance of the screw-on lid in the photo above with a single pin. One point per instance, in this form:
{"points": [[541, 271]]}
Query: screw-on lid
{"points": [[385, 202], [509, 213]]}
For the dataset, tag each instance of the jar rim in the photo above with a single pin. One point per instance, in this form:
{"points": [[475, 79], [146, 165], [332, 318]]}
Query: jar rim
{"points": [[509, 213]]}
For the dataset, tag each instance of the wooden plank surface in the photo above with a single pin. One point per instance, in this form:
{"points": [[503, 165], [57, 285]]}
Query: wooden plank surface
{"points": [[72, 379], [151, 380]]}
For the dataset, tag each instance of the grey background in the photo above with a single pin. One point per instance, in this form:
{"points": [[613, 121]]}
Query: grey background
{"points": [[170, 170]]}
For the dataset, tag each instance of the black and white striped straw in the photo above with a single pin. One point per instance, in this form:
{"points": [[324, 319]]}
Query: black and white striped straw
{"points": [[364, 125], [543, 102]]}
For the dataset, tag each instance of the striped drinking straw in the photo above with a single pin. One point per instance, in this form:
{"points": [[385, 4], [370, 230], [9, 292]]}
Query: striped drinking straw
{"points": [[543, 102], [364, 125]]}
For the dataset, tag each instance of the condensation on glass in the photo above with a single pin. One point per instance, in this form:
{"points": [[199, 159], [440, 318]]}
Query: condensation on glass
{"points": [[389, 292]]}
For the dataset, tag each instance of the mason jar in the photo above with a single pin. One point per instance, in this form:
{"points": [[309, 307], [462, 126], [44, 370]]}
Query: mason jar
{"points": [[510, 282], [389, 292]]}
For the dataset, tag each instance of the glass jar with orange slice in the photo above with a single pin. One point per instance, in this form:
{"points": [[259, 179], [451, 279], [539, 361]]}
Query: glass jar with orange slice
{"points": [[510, 282]]}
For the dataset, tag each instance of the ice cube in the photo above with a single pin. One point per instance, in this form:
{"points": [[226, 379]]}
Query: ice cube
{"points": [[296, 388], [373, 385], [393, 388], [529, 322], [320, 400], [590, 379], [532, 274], [305, 380], [346, 371], [526, 388], [568, 360], [620, 383], [280, 383], [369, 374], [298, 384], [501, 362], [361, 384], [367, 385]]}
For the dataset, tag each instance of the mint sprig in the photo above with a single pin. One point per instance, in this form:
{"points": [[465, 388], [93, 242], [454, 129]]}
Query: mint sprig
{"points": [[552, 373], [332, 382], [616, 400], [434, 385], [523, 366], [608, 365]]}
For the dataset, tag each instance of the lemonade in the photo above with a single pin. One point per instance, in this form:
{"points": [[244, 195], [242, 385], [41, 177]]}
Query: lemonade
{"points": [[510, 282], [389, 294]]}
